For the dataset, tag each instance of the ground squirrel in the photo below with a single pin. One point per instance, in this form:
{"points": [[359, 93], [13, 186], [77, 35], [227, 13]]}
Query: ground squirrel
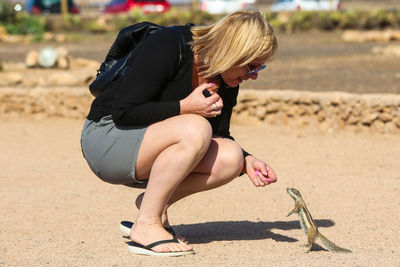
{"points": [[308, 225]]}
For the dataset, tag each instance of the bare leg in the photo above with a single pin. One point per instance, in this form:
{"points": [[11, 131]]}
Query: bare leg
{"points": [[222, 163], [170, 150]]}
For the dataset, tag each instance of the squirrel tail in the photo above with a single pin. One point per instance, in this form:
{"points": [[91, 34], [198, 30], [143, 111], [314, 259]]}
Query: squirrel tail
{"points": [[329, 245]]}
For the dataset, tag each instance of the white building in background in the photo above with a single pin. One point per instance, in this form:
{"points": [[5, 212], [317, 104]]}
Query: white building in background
{"points": [[308, 5], [224, 6]]}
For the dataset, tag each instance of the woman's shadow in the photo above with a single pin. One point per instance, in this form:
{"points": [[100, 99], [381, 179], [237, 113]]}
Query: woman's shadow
{"points": [[201, 233]]}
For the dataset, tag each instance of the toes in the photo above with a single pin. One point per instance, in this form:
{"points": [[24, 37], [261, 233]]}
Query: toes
{"points": [[170, 247], [180, 247], [145, 234], [186, 246]]}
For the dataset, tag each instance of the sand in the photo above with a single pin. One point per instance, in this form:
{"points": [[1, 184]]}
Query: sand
{"points": [[55, 212]]}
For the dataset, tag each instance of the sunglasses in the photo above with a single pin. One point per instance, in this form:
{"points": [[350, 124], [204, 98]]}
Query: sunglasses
{"points": [[252, 71]]}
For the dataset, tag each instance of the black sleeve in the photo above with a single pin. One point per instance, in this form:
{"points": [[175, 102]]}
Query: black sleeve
{"points": [[223, 125], [153, 64]]}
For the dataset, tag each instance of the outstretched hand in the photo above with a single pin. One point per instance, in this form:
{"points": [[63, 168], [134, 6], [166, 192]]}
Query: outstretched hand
{"points": [[259, 172], [197, 103]]}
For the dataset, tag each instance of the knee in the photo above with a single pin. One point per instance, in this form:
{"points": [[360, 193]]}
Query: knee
{"points": [[196, 132], [231, 160]]}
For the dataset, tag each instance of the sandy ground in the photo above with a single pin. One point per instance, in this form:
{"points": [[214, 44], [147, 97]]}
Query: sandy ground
{"points": [[55, 212]]}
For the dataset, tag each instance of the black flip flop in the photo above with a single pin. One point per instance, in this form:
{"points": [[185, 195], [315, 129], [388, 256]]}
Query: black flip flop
{"points": [[147, 250]]}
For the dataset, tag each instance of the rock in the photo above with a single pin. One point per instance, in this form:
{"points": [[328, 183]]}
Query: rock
{"points": [[379, 36], [13, 38], [29, 82], [385, 117], [305, 99], [393, 35], [378, 126], [316, 108], [321, 116], [88, 79], [62, 79], [352, 36], [291, 110], [32, 59], [77, 62], [374, 101], [248, 97], [369, 118], [60, 38], [245, 118], [345, 112], [48, 36], [273, 107], [335, 98], [396, 36], [396, 121], [63, 61], [260, 112], [352, 120], [10, 78], [370, 36], [390, 128]]}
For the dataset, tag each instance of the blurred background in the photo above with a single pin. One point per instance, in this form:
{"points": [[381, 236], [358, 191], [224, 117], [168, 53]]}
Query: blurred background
{"points": [[50, 51], [324, 45], [86, 7]]}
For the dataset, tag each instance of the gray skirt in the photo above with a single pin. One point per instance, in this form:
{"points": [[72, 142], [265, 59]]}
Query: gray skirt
{"points": [[111, 151]]}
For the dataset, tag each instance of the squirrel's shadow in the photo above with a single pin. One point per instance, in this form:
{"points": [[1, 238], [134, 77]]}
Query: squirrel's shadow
{"points": [[200, 233]]}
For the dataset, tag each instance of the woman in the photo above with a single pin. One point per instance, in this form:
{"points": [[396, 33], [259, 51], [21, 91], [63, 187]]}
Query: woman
{"points": [[165, 125]]}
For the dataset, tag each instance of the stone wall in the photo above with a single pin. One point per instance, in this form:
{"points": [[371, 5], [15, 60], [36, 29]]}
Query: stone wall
{"points": [[66, 102], [328, 111]]}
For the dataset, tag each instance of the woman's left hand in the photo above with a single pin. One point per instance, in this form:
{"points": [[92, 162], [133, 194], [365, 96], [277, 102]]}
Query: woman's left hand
{"points": [[259, 172]]}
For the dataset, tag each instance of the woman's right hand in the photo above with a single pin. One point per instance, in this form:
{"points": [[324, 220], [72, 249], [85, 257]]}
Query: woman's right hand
{"points": [[197, 103]]}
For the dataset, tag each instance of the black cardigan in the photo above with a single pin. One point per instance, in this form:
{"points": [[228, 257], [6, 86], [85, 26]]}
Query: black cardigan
{"points": [[154, 84]]}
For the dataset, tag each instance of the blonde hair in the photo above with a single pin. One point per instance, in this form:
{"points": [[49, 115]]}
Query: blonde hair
{"points": [[235, 40]]}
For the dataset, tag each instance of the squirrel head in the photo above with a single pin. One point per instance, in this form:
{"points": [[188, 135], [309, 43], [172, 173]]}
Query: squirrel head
{"points": [[293, 192]]}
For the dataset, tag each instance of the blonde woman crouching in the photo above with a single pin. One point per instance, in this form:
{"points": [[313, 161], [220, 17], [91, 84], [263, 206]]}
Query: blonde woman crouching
{"points": [[164, 126]]}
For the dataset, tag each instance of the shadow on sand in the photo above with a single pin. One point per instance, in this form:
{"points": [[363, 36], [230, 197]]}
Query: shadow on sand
{"points": [[201, 233]]}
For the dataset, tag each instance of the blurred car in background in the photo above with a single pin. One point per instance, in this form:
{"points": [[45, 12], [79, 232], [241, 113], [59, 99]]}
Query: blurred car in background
{"points": [[38, 7], [147, 6], [224, 6], [308, 5]]}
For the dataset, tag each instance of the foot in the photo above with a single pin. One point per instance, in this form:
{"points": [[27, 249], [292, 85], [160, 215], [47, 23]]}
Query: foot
{"points": [[146, 234], [164, 218], [126, 227]]}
